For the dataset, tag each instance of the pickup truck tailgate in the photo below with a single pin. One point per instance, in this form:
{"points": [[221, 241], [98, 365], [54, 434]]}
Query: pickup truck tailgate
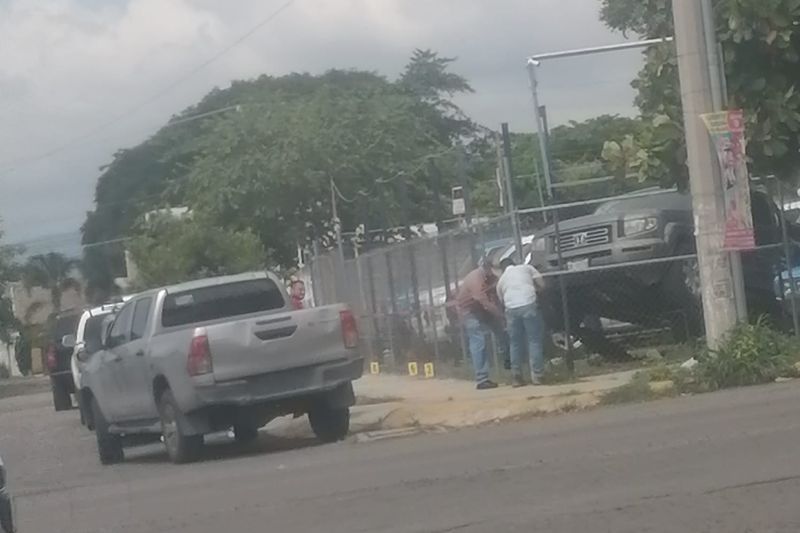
{"points": [[274, 342]]}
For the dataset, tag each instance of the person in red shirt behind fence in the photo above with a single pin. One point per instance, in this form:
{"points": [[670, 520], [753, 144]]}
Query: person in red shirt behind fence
{"points": [[298, 294]]}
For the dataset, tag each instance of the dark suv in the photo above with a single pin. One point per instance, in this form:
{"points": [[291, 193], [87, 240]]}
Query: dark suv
{"points": [[596, 249], [58, 358]]}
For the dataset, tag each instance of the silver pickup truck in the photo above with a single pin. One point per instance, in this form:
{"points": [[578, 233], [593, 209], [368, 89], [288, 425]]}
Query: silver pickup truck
{"points": [[184, 361]]}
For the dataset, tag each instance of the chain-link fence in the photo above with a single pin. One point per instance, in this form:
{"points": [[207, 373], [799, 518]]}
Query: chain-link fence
{"points": [[620, 273]]}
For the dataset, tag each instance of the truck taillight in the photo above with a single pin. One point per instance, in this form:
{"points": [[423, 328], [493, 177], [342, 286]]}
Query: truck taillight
{"points": [[199, 361], [52, 360], [349, 329]]}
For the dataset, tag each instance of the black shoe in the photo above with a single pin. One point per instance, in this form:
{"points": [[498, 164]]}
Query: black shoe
{"points": [[518, 382], [486, 385]]}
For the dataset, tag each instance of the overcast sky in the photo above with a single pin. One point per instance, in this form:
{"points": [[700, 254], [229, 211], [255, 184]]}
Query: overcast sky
{"points": [[69, 67]]}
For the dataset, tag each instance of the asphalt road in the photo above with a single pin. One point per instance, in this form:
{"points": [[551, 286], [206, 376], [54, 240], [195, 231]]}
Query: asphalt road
{"points": [[725, 462]]}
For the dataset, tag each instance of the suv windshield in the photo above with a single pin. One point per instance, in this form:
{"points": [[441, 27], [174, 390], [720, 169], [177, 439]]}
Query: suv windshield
{"points": [[221, 301], [666, 200]]}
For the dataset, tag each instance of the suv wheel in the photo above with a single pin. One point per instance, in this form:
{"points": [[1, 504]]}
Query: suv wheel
{"points": [[682, 288], [61, 397], [109, 446], [330, 424], [181, 448]]}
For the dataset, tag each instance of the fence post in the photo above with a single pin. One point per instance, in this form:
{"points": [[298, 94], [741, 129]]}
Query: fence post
{"points": [[787, 251], [432, 304]]}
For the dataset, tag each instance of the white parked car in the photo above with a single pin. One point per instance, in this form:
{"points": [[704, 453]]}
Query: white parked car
{"points": [[86, 341]]}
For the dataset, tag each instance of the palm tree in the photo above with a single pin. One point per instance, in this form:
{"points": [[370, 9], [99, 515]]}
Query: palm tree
{"points": [[53, 272]]}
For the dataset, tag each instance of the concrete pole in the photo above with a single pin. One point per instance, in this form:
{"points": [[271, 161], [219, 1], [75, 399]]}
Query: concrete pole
{"points": [[716, 74], [719, 302], [341, 277]]}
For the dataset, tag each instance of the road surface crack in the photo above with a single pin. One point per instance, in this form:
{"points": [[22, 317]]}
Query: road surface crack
{"points": [[753, 484]]}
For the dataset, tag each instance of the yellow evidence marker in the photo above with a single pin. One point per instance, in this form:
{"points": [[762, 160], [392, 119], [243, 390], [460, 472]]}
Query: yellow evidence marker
{"points": [[413, 369], [429, 372], [374, 368]]}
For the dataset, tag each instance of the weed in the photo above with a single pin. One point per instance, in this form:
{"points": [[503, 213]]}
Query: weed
{"points": [[570, 407], [638, 390], [750, 355]]}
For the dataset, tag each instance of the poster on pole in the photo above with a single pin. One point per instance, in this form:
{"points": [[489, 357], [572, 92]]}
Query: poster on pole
{"points": [[727, 132]]}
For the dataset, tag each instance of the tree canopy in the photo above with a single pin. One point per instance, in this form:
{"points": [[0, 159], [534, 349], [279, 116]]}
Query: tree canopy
{"points": [[268, 165], [761, 45], [170, 251]]}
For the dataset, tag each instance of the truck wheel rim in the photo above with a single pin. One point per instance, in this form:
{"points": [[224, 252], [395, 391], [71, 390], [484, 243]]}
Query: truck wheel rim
{"points": [[169, 428]]}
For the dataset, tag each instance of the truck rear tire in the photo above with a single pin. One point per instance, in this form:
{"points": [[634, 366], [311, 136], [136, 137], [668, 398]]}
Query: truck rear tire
{"points": [[330, 424], [181, 448], [109, 446], [61, 395]]}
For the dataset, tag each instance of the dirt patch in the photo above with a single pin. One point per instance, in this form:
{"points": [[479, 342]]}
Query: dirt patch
{"points": [[368, 400]]}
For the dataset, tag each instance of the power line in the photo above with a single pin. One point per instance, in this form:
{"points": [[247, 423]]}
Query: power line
{"points": [[11, 166]]}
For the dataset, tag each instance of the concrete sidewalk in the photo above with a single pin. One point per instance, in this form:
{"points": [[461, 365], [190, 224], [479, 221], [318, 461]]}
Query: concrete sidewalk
{"points": [[390, 404]]}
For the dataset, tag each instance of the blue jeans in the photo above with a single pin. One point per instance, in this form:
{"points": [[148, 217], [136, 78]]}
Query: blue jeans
{"points": [[476, 339], [525, 325]]}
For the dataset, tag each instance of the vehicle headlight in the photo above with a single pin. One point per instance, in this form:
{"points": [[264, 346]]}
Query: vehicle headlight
{"points": [[632, 226], [539, 245]]}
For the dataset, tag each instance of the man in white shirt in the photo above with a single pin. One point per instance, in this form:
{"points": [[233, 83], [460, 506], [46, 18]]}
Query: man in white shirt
{"points": [[517, 290]]}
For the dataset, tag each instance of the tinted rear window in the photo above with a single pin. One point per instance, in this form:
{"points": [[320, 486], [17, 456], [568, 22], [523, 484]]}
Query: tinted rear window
{"points": [[221, 301], [65, 325], [91, 333]]}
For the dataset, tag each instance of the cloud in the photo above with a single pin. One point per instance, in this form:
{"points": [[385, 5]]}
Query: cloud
{"points": [[70, 66]]}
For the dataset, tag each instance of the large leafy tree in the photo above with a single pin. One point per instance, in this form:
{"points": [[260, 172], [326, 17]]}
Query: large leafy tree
{"points": [[269, 167], [761, 45], [53, 272]]}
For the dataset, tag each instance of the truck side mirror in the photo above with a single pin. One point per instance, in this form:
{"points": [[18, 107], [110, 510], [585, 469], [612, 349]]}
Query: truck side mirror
{"points": [[69, 341]]}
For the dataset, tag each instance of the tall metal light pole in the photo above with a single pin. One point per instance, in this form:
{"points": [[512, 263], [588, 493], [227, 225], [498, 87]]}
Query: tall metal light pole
{"points": [[719, 302]]}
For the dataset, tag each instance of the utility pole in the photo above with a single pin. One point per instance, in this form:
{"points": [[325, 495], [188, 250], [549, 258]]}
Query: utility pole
{"points": [[461, 168], [436, 182], [719, 301], [508, 172], [719, 98], [337, 225]]}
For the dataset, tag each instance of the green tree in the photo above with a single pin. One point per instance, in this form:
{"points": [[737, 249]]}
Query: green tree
{"points": [[52, 272], [8, 273], [171, 251], [268, 168], [576, 151], [761, 44]]}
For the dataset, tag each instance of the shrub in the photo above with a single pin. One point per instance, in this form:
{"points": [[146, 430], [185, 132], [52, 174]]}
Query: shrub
{"points": [[750, 355]]}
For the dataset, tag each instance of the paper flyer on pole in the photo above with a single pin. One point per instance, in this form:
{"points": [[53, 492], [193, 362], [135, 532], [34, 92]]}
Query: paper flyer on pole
{"points": [[727, 132]]}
